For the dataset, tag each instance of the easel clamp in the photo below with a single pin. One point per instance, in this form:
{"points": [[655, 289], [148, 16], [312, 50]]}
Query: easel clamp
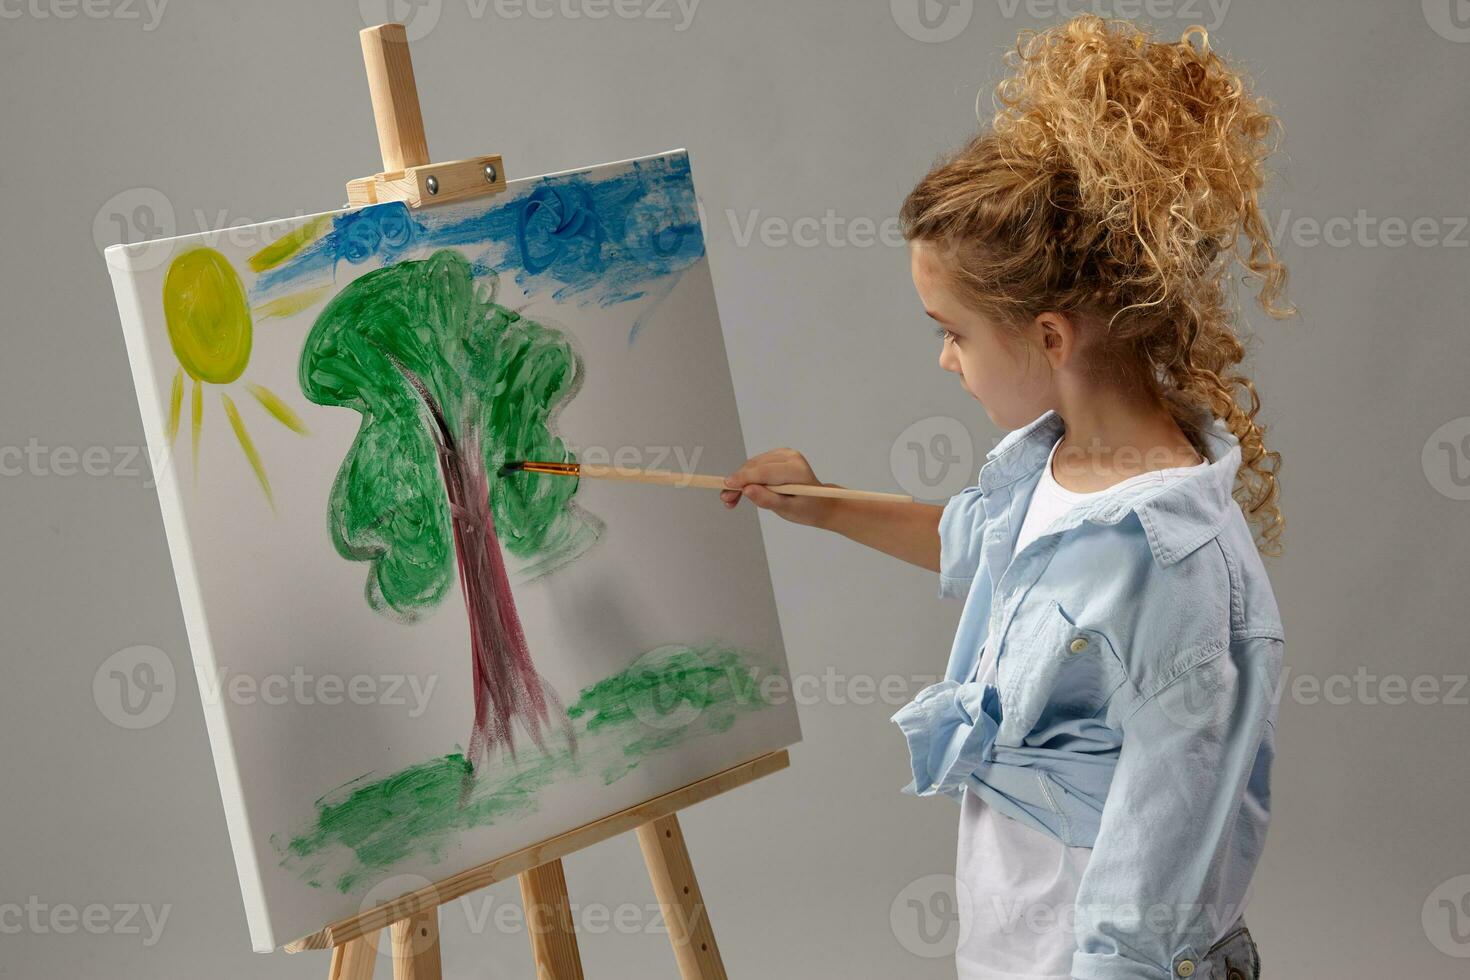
{"points": [[407, 174], [430, 184]]}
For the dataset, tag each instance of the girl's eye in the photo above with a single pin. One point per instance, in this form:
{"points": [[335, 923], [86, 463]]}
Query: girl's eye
{"points": [[945, 335]]}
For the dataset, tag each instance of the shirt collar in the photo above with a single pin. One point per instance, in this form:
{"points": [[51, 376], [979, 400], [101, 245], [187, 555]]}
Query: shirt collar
{"points": [[1177, 517]]}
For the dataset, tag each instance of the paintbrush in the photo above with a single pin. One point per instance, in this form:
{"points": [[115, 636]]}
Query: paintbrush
{"points": [[670, 478]]}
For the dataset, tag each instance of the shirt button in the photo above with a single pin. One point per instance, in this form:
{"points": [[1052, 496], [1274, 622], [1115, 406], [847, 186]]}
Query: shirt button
{"points": [[1185, 968], [1077, 646]]}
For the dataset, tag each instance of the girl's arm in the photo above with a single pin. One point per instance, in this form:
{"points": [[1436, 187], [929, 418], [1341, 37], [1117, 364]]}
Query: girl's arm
{"points": [[909, 532], [1185, 816]]}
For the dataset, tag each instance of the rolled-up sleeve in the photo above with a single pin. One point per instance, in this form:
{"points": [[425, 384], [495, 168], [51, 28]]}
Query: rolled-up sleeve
{"points": [[949, 735], [1185, 819], [961, 532]]}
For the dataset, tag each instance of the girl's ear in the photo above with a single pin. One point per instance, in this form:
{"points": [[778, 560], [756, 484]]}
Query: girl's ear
{"points": [[1058, 335]]}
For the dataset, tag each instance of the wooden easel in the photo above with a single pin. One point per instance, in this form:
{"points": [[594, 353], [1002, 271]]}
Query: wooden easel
{"points": [[412, 920]]}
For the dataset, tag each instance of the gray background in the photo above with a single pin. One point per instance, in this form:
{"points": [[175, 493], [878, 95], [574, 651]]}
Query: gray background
{"points": [[241, 112]]}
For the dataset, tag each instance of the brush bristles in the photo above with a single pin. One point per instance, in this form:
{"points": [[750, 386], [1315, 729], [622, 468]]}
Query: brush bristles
{"points": [[529, 466]]}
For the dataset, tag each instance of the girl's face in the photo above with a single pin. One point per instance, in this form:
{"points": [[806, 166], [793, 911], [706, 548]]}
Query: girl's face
{"points": [[1006, 371]]}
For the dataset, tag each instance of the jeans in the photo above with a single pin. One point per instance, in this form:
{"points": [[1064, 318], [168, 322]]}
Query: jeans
{"points": [[1233, 958]]}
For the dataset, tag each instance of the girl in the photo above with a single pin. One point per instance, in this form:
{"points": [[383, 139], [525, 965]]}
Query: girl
{"points": [[1106, 719]]}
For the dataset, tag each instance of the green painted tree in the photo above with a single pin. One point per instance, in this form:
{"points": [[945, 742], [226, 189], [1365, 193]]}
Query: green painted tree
{"points": [[450, 385]]}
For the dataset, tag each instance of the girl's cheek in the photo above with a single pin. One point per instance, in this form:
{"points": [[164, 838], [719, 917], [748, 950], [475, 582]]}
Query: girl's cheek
{"points": [[976, 374], [973, 379]]}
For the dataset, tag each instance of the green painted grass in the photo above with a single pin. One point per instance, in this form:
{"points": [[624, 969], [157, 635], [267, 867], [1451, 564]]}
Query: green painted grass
{"points": [[667, 696]]}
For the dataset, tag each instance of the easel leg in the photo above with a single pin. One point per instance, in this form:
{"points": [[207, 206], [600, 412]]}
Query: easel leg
{"points": [[678, 893], [416, 947], [354, 959], [549, 923]]}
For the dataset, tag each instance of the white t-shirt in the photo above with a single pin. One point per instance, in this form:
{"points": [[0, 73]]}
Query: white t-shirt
{"points": [[1021, 882]]}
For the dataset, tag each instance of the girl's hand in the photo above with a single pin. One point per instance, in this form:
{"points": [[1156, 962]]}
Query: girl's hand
{"points": [[908, 531], [776, 467]]}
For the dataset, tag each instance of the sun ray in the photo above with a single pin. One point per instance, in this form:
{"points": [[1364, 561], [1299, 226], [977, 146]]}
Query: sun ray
{"points": [[196, 422], [294, 303], [277, 407], [238, 424], [175, 406], [290, 244], [210, 329]]}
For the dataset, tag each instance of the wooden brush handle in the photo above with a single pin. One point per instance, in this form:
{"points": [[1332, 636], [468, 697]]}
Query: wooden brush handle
{"points": [[836, 493], [670, 478]]}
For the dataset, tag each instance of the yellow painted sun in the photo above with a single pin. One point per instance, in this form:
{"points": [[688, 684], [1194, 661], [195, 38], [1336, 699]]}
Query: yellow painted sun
{"points": [[210, 330]]}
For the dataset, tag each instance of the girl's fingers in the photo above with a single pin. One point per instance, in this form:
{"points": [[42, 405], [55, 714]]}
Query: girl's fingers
{"points": [[756, 494], [766, 499], [782, 471], [744, 475], [751, 471]]}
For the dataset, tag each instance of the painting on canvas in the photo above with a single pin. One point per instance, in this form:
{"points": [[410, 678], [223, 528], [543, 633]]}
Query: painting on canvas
{"points": [[410, 662]]}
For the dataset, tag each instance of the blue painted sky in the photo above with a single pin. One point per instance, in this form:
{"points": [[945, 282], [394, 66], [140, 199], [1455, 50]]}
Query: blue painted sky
{"points": [[602, 236]]}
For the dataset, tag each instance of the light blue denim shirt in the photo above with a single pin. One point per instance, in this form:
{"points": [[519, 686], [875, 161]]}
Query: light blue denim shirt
{"points": [[1135, 700]]}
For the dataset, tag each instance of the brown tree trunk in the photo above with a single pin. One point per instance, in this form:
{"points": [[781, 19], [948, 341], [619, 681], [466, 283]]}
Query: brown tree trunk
{"points": [[506, 684]]}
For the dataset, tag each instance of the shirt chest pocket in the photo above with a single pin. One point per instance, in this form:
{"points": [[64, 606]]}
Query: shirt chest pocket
{"points": [[1053, 670]]}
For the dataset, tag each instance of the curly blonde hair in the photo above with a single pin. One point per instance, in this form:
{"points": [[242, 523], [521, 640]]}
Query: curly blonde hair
{"points": [[1119, 181]]}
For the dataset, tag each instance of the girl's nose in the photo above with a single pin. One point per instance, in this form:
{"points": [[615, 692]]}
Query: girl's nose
{"points": [[947, 359]]}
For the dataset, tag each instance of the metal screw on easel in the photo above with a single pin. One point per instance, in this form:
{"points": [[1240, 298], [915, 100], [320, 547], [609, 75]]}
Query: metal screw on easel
{"points": [[432, 184], [491, 174]]}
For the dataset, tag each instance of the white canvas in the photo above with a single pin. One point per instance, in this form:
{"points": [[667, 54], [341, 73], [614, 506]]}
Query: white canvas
{"points": [[340, 731]]}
